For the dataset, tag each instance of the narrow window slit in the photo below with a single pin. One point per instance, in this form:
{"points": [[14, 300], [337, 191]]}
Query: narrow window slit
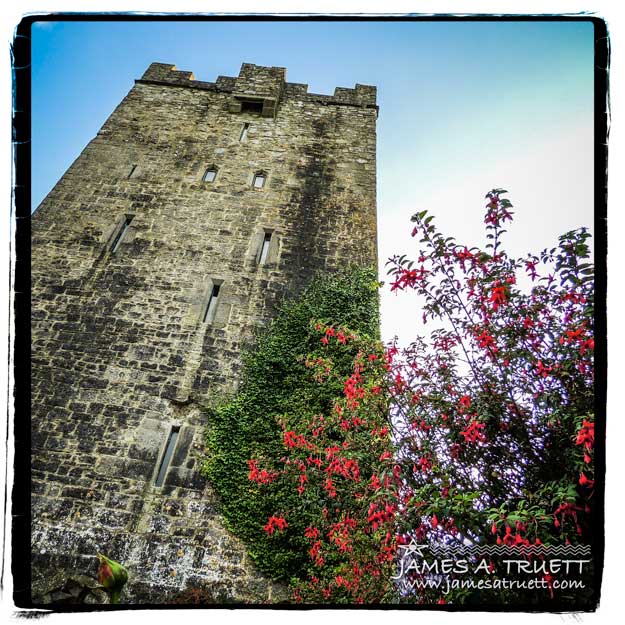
{"points": [[211, 305], [246, 127], [121, 233], [264, 249], [132, 171], [169, 452]]}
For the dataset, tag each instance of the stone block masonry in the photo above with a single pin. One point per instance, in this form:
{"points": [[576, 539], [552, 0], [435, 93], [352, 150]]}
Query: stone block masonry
{"points": [[181, 227]]}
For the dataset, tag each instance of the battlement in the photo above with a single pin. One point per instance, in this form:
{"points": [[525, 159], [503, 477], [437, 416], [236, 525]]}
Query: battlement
{"points": [[259, 87]]}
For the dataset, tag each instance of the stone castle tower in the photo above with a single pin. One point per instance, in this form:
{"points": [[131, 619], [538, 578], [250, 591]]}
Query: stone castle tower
{"points": [[181, 227]]}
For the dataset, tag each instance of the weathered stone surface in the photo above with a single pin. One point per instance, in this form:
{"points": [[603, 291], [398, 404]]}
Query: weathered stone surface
{"points": [[127, 251]]}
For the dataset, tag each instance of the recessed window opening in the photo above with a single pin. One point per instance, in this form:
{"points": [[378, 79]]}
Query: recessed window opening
{"points": [[252, 106], [264, 248], [211, 305], [132, 171], [169, 452], [210, 174], [259, 180], [121, 233], [246, 127]]}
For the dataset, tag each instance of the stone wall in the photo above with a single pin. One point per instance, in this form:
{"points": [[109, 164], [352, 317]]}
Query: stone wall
{"points": [[127, 250]]}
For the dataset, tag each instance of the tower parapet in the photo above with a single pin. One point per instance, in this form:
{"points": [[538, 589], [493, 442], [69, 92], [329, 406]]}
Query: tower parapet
{"points": [[266, 85]]}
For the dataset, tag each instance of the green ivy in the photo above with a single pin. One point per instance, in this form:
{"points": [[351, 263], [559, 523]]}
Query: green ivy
{"points": [[275, 382]]}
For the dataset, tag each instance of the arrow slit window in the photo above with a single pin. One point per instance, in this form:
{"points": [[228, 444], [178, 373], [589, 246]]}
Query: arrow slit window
{"points": [[169, 452], [121, 233]]}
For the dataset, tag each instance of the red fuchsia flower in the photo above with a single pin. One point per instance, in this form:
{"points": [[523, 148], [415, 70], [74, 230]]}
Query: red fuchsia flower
{"points": [[542, 369], [311, 532], [324, 340], [586, 435], [530, 267], [434, 522], [486, 341], [491, 216], [464, 402], [587, 345], [584, 481], [564, 510], [494, 200], [314, 461], [416, 398], [497, 296], [572, 296], [463, 256], [576, 334], [445, 343], [345, 467], [353, 391], [341, 338], [302, 480], [375, 483], [474, 433], [409, 278], [332, 451], [421, 425], [414, 232], [328, 485], [275, 523], [292, 440], [424, 464], [315, 553], [378, 516], [260, 476], [400, 383], [508, 539]]}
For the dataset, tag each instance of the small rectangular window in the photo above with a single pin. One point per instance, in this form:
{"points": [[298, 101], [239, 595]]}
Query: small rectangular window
{"points": [[264, 248], [121, 233], [211, 305], [259, 180], [169, 452], [246, 127], [209, 175]]}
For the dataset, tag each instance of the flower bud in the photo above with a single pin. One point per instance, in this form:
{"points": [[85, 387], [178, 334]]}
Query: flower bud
{"points": [[112, 576]]}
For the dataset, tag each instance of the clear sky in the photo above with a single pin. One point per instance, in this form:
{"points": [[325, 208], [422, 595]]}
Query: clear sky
{"points": [[464, 107]]}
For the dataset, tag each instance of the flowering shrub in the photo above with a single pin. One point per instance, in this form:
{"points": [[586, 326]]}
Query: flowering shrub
{"points": [[493, 416]]}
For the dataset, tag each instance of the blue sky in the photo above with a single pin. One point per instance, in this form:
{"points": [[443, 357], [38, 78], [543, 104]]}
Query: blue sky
{"points": [[464, 107]]}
